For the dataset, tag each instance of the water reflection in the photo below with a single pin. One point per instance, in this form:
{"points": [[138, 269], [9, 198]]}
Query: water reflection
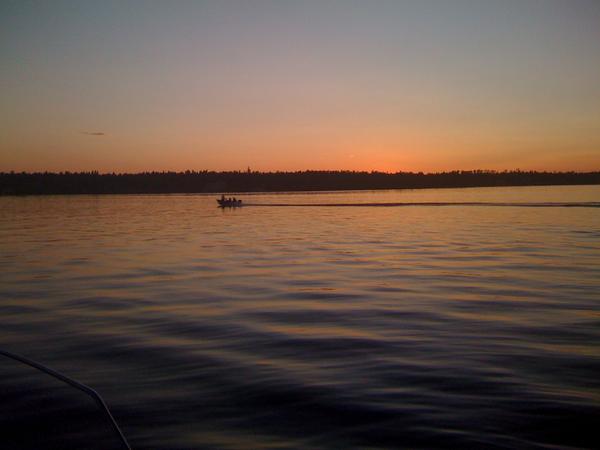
{"points": [[316, 327]]}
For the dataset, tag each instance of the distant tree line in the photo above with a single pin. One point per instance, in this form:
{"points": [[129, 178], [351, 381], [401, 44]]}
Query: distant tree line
{"points": [[24, 183]]}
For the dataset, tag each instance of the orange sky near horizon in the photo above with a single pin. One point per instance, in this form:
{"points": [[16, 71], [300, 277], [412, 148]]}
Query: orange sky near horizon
{"points": [[415, 86]]}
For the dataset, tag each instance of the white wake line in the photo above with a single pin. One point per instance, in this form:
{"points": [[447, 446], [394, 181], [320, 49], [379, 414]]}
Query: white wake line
{"points": [[397, 204]]}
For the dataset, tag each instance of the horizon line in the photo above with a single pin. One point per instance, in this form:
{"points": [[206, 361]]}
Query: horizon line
{"points": [[321, 171]]}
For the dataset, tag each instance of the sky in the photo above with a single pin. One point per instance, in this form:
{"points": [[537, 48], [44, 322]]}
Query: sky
{"points": [[423, 85]]}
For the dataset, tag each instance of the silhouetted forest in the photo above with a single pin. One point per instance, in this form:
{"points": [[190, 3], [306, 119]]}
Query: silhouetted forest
{"points": [[23, 183]]}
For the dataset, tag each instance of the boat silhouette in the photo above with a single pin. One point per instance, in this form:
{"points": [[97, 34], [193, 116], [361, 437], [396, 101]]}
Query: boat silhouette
{"points": [[229, 202]]}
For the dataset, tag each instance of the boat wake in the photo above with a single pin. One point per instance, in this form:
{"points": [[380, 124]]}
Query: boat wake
{"points": [[396, 204]]}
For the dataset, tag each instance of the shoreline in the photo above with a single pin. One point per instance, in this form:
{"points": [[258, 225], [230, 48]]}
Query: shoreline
{"points": [[294, 191], [205, 182]]}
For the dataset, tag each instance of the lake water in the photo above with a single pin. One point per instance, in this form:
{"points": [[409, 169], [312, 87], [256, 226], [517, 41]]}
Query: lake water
{"points": [[419, 326]]}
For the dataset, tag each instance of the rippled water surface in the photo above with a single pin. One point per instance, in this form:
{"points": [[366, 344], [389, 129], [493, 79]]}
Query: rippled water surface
{"points": [[420, 326]]}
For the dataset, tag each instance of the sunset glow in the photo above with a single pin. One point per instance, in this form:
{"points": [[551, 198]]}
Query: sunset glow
{"points": [[299, 224], [390, 86]]}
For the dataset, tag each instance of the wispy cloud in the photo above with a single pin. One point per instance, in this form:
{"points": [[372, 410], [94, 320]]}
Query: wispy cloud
{"points": [[94, 133]]}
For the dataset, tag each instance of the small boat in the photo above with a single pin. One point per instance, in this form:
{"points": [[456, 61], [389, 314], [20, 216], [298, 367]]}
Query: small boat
{"points": [[229, 202]]}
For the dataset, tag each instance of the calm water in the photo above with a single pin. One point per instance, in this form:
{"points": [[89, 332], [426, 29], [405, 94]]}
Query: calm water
{"points": [[314, 326]]}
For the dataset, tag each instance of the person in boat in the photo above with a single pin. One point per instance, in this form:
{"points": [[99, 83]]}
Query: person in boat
{"points": [[229, 201]]}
